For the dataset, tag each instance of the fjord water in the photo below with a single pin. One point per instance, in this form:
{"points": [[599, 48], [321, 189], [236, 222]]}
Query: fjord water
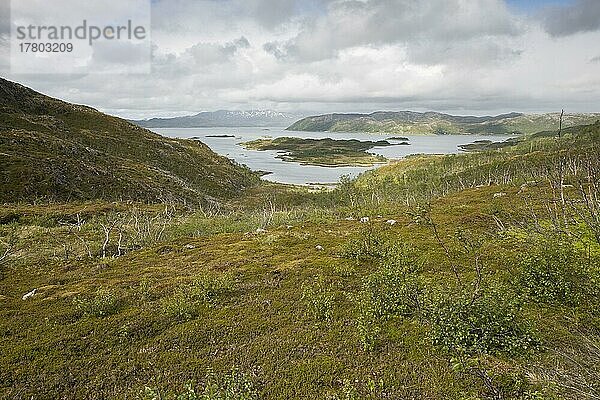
{"points": [[295, 173]]}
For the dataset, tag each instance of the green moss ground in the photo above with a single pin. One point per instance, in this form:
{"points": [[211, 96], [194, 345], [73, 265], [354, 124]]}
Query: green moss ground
{"points": [[486, 285], [261, 325]]}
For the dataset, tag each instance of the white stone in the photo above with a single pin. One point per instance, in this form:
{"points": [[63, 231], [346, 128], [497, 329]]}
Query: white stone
{"points": [[30, 294]]}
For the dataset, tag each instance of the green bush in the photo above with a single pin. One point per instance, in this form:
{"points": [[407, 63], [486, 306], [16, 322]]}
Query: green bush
{"points": [[319, 299], [490, 323], [180, 306], [100, 304], [361, 389], [209, 287], [554, 271], [344, 270], [144, 292], [370, 244], [186, 302], [231, 386], [368, 326], [393, 290]]}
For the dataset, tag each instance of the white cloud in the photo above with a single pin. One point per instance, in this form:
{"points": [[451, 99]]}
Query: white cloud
{"points": [[322, 56], [416, 24]]}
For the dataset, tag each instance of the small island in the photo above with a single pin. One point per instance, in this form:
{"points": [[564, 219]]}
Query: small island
{"points": [[322, 152], [486, 145], [220, 136]]}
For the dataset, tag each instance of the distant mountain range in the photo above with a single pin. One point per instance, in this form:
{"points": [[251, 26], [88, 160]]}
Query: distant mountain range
{"points": [[385, 122], [409, 122], [223, 118]]}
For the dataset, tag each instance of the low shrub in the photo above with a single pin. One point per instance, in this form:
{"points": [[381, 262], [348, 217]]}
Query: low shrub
{"points": [[101, 304], [186, 302], [232, 386], [368, 325], [490, 323], [344, 270], [368, 245], [361, 389], [555, 271], [319, 299], [393, 290], [180, 306], [209, 287], [144, 292]]}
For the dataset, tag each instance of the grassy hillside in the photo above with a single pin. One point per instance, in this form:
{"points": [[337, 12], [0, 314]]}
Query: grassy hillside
{"points": [[475, 276], [532, 160], [55, 151], [407, 122]]}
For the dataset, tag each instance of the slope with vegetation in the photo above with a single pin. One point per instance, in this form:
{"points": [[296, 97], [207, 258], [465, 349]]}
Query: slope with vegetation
{"points": [[52, 150], [470, 276], [408, 122]]}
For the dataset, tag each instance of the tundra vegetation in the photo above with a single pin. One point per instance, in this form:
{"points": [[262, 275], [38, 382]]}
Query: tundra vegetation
{"points": [[433, 123], [326, 152], [485, 287]]}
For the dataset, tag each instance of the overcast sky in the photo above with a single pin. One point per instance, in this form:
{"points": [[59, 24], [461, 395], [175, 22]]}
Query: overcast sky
{"points": [[317, 56]]}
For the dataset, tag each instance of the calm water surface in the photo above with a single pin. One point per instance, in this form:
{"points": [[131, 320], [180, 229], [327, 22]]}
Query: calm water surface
{"points": [[290, 172]]}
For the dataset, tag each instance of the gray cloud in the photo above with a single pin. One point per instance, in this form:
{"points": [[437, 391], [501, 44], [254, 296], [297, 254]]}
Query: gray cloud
{"points": [[276, 49], [215, 53], [4, 16], [477, 56], [473, 52], [582, 16], [198, 15], [378, 22], [4, 24], [119, 53], [271, 13]]}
